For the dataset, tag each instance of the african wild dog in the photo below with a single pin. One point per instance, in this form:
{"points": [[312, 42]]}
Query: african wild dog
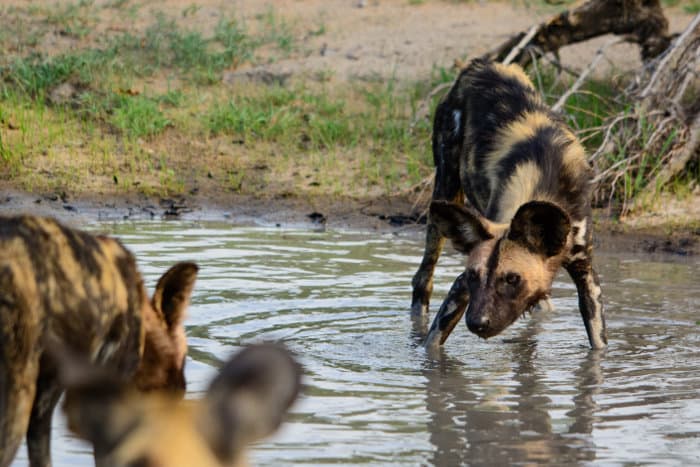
{"points": [[86, 293], [527, 211], [246, 401]]}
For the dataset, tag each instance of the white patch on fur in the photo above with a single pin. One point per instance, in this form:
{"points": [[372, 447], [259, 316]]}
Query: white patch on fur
{"points": [[596, 324], [580, 238], [545, 305], [578, 256], [457, 117]]}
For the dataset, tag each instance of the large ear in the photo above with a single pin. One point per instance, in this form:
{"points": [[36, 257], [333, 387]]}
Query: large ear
{"points": [[248, 398], [541, 227], [461, 224], [173, 291]]}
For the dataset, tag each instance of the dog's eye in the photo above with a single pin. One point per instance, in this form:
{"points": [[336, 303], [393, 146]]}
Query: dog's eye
{"points": [[472, 275], [512, 278]]}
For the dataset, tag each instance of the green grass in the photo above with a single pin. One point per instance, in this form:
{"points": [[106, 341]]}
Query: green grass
{"points": [[138, 116], [276, 30], [305, 119], [373, 133], [691, 7], [365, 124]]}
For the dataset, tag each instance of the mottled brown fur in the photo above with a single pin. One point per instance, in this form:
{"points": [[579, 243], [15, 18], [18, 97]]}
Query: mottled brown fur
{"points": [[512, 192], [84, 291]]}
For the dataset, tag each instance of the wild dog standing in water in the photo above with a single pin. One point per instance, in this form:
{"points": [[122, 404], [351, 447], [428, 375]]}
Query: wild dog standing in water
{"points": [[527, 210], [246, 401], [84, 292]]}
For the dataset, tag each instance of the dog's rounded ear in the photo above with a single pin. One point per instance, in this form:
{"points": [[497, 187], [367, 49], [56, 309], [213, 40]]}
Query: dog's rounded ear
{"points": [[249, 398], [541, 227], [463, 225], [173, 291]]}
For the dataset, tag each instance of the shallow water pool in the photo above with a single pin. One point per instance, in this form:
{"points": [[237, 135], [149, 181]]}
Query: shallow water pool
{"points": [[372, 396]]}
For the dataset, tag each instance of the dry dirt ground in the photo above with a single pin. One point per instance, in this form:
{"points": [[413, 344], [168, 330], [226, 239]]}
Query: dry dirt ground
{"points": [[361, 40]]}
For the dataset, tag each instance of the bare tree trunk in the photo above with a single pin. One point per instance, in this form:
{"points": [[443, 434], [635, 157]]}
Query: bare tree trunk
{"points": [[642, 21]]}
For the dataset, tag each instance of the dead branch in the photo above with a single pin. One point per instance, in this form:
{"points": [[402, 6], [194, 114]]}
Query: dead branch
{"points": [[424, 107], [665, 80], [677, 162], [642, 21], [584, 75], [521, 45]]}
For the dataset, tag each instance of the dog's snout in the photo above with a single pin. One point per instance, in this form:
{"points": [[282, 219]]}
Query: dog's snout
{"points": [[478, 324]]}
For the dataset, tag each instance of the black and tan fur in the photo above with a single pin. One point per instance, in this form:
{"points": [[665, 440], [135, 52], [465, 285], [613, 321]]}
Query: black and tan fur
{"points": [[512, 192], [246, 401], [84, 292]]}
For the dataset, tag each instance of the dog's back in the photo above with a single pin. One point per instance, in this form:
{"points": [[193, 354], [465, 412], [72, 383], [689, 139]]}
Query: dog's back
{"points": [[83, 289], [513, 148]]}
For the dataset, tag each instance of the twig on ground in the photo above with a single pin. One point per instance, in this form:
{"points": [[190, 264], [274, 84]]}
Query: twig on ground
{"points": [[515, 51], [579, 82], [424, 107]]}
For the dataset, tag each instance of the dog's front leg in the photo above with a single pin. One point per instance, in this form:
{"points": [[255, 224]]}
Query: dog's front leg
{"points": [[589, 301], [423, 280], [451, 310], [48, 392]]}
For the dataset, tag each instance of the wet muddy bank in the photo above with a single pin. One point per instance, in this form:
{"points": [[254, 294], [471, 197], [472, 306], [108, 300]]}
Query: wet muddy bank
{"points": [[338, 213]]}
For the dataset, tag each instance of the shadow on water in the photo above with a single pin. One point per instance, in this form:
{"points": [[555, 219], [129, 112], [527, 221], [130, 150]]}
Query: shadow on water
{"points": [[373, 396]]}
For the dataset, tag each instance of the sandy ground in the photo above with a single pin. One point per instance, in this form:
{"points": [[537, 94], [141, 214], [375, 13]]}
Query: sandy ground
{"points": [[355, 39], [366, 39]]}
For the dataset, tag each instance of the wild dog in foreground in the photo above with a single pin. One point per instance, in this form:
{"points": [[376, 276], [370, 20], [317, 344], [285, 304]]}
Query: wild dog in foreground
{"points": [[84, 292], [246, 401], [527, 209]]}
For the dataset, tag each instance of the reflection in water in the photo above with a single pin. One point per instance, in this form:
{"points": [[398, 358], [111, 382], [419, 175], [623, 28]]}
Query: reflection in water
{"points": [[373, 396], [510, 423]]}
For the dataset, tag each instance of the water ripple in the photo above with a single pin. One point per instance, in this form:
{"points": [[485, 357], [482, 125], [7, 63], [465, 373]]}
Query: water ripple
{"points": [[373, 396]]}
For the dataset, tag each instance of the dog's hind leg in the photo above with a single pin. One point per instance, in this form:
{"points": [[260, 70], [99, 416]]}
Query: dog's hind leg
{"points": [[48, 392]]}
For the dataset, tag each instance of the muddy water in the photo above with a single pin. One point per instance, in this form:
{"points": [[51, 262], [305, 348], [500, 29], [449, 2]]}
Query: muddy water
{"points": [[373, 396]]}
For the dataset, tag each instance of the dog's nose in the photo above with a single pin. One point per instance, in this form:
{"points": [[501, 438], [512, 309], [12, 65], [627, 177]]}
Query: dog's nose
{"points": [[478, 324]]}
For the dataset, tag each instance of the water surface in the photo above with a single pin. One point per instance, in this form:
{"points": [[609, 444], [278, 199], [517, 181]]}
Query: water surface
{"points": [[340, 300]]}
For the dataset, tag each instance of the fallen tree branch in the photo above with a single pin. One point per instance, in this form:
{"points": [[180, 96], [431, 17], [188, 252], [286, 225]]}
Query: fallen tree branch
{"points": [[642, 20], [666, 116], [664, 76]]}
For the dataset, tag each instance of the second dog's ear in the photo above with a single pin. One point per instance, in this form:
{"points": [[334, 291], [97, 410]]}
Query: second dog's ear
{"points": [[249, 398]]}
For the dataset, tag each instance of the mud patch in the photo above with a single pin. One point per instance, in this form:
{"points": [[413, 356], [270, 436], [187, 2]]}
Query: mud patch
{"points": [[378, 214]]}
